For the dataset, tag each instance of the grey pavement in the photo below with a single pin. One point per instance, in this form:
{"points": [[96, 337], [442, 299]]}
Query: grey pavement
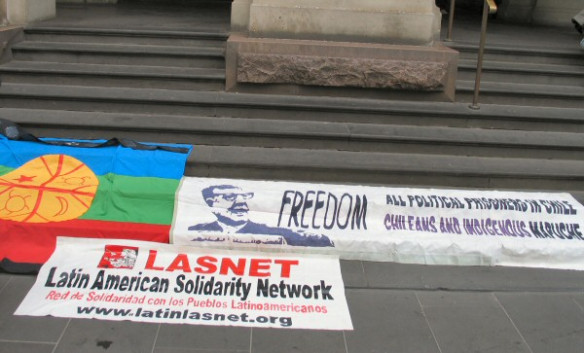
{"points": [[395, 308]]}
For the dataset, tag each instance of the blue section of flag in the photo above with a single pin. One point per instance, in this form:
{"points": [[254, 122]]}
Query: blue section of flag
{"points": [[102, 160]]}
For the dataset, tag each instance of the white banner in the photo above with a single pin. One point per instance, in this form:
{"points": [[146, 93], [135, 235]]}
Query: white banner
{"points": [[151, 282], [425, 226]]}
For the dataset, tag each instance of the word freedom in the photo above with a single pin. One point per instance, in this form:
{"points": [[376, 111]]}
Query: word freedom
{"points": [[318, 209]]}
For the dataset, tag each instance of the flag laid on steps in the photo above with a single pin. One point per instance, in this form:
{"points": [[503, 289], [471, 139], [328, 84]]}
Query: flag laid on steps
{"points": [[80, 188]]}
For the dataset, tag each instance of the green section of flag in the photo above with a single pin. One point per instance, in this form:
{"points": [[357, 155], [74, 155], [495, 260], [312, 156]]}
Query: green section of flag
{"points": [[133, 199], [4, 170]]}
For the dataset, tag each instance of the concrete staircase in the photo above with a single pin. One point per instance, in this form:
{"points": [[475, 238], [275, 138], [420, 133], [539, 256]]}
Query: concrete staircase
{"points": [[167, 86], [118, 58], [525, 75]]}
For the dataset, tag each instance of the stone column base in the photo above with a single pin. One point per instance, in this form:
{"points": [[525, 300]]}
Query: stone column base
{"points": [[9, 35], [311, 67]]}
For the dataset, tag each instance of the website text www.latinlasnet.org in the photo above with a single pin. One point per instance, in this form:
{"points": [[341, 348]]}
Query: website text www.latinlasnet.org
{"points": [[184, 315]]}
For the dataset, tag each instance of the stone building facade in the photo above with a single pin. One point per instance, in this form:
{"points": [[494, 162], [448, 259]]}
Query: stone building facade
{"points": [[540, 12]]}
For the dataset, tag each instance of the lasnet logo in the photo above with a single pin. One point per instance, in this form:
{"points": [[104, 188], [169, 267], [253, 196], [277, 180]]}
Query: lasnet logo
{"points": [[118, 256]]}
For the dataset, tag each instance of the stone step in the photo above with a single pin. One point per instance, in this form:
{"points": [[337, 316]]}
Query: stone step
{"points": [[125, 36], [526, 54], [522, 94], [302, 108], [318, 135], [392, 169], [140, 76], [369, 168], [120, 54], [518, 72], [323, 165]]}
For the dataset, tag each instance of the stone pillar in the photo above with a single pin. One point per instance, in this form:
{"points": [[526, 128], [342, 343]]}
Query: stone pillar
{"points": [[397, 22], [21, 12], [240, 15], [366, 48]]}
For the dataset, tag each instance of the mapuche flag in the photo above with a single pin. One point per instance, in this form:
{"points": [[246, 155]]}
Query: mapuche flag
{"points": [[80, 188]]}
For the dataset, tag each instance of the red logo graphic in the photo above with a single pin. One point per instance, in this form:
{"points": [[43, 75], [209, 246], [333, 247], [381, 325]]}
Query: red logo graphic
{"points": [[118, 256]]}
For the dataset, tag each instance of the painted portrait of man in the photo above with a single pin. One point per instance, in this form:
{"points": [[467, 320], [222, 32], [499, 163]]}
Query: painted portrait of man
{"points": [[228, 203]]}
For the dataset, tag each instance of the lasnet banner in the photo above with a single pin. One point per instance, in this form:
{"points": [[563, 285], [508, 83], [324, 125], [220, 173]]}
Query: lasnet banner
{"points": [[151, 282], [424, 226]]}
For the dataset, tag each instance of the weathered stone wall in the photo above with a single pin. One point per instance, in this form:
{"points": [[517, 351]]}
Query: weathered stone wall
{"points": [[341, 72], [271, 65]]}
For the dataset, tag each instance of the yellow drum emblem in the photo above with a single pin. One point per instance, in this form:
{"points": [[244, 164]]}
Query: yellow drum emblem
{"points": [[51, 188]]}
